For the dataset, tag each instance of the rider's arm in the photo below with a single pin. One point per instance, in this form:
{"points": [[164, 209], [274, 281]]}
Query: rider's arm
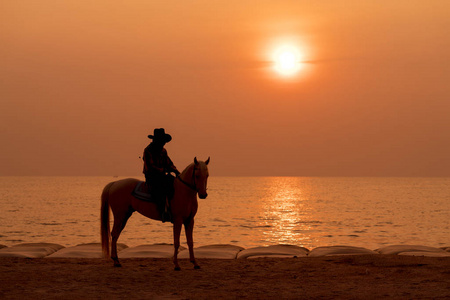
{"points": [[171, 167], [149, 163]]}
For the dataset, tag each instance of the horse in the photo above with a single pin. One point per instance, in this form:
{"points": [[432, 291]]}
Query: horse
{"points": [[117, 196]]}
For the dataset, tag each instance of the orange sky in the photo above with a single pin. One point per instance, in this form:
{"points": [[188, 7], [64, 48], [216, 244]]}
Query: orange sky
{"points": [[82, 84]]}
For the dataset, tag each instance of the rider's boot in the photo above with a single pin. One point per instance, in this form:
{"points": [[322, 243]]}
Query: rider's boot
{"points": [[166, 215]]}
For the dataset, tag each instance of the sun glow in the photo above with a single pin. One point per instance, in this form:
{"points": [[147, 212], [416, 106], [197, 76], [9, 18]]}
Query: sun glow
{"points": [[287, 60]]}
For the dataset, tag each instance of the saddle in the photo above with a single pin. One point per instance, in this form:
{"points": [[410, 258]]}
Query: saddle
{"points": [[141, 192]]}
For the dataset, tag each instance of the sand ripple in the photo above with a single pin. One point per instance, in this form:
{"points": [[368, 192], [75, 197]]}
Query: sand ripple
{"points": [[219, 251]]}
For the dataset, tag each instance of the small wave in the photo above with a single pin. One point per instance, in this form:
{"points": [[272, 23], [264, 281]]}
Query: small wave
{"points": [[246, 226], [308, 222], [218, 220], [256, 226]]}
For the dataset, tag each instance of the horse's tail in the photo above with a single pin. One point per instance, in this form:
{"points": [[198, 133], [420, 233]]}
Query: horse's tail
{"points": [[104, 220]]}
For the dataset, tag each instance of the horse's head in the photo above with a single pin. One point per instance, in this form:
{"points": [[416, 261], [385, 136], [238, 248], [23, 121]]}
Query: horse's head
{"points": [[201, 177]]}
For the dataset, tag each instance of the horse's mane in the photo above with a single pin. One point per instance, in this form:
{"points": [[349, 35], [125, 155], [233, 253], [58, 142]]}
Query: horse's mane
{"points": [[187, 172], [187, 169]]}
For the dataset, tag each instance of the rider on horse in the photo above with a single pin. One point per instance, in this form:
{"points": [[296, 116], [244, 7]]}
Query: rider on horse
{"points": [[157, 166]]}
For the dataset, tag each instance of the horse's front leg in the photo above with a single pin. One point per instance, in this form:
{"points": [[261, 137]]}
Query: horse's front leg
{"points": [[189, 228], [176, 242]]}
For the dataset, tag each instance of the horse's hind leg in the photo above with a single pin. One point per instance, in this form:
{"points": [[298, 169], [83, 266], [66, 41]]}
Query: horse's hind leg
{"points": [[119, 225]]}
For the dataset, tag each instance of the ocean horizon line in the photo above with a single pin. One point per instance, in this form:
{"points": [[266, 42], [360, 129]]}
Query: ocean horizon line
{"points": [[246, 176]]}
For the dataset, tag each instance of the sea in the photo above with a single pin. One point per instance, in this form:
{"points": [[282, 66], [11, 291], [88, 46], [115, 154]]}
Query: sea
{"points": [[243, 211]]}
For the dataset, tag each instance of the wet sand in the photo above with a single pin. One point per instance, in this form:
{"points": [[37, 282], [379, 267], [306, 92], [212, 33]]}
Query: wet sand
{"points": [[335, 277]]}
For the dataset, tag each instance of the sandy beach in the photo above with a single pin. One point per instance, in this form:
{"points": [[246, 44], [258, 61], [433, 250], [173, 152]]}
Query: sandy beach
{"points": [[335, 277]]}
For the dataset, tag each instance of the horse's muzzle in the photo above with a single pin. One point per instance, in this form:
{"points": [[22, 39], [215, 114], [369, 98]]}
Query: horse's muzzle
{"points": [[203, 196]]}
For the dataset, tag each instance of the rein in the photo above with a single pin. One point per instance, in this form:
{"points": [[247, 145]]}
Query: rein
{"points": [[192, 187]]}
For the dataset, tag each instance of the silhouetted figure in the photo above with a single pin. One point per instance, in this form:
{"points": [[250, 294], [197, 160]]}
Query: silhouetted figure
{"points": [[157, 166]]}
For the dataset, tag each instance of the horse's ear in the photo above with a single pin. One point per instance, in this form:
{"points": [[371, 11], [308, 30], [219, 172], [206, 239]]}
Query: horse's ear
{"points": [[207, 161], [195, 161]]}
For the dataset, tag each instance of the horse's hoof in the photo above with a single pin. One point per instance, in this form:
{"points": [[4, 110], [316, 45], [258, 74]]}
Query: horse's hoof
{"points": [[118, 265], [177, 269], [196, 267]]}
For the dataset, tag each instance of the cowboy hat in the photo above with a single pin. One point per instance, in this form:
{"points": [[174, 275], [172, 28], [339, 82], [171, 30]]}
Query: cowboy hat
{"points": [[160, 134]]}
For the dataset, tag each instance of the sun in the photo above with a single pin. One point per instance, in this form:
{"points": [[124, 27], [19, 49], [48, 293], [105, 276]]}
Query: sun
{"points": [[287, 60]]}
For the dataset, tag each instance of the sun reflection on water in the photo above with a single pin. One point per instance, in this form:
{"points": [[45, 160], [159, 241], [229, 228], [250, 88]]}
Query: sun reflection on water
{"points": [[286, 213]]}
